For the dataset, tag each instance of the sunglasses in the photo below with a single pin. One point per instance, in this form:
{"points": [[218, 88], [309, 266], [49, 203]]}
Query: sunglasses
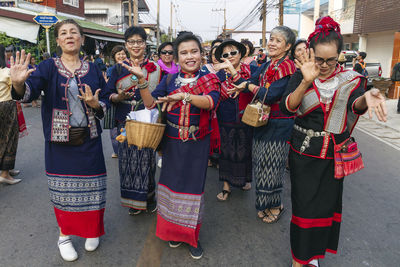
{"points": [[167, 52], [232, 53], [330, 61]]}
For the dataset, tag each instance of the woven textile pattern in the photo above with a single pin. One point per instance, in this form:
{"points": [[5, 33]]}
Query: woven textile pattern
{"points": [[182, 209], [78, 193], [269, 161]]}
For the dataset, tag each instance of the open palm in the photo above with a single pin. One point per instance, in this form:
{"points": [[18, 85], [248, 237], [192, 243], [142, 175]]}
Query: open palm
{"points": [[19, 71], [306, 63]]}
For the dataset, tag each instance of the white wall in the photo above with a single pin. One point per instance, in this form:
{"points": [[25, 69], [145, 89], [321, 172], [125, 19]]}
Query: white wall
{"points": [[380, 49], [306, 26], [114, 9]]}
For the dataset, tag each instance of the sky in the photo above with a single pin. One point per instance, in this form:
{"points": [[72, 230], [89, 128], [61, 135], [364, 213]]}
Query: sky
{"points": [[198, 17]]}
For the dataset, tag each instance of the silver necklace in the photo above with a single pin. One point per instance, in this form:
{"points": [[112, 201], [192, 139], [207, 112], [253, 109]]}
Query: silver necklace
{"points": [[327, 89], [180, 81]]}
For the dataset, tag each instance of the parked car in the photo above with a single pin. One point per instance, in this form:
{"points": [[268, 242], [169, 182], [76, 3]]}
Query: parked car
{"points": [[374, 69]]}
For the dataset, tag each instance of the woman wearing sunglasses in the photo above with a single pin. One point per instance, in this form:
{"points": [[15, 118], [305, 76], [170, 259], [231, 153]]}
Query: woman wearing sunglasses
{"points": [[166, 61], [235, 157], [327, 100], [270, 148]]}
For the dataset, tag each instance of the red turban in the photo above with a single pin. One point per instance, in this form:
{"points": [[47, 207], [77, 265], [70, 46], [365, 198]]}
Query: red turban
{"points": [[323, 26]]}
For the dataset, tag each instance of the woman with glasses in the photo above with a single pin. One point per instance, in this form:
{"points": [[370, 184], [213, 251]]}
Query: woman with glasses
{"points": [[235, 158], [136, 167], [74, 100], [327, 101], [270, 148], [166, 61]]}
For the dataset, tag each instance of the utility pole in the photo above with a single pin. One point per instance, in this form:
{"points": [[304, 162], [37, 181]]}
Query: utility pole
{"points": [[135, 13], [170, 23], [158, 23], [281, 12], [264, 24], [129, 13], [224, 29]]}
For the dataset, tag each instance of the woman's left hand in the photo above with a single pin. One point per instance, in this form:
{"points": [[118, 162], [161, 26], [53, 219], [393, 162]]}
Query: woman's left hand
{"points": [[169, 101], [135, 69], [376, 102], [234, 92], [226, 65], [90, 99]]}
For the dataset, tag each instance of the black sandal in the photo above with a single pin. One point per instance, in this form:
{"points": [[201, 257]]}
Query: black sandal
{"points": [[273, 218], [224, 193]]}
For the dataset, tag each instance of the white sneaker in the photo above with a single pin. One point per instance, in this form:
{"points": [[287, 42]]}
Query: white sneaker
{"points": [[92, 243], [67, 250]]}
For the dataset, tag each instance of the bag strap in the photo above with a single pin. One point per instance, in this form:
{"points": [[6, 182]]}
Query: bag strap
{"points": [[268, 84]]}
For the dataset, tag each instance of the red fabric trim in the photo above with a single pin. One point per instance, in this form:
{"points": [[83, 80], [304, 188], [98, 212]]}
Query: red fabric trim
{"points": [[308, 155], [169, 231], [21, 121], [74, 175], [316, 222], [86, 224], [287, 105], [314, 257]]}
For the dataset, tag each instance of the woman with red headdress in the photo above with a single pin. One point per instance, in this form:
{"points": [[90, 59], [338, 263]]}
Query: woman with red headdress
{"points": [[327, 101]]}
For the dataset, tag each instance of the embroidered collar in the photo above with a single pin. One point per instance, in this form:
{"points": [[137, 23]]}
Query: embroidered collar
{"points": [[189, 75], [82, 71]]}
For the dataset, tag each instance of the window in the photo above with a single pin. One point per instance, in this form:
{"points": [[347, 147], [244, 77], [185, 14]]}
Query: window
{"points": [[74, 3]]}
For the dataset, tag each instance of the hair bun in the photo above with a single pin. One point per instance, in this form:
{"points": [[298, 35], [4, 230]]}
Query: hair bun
{"points": [[181, 33]]}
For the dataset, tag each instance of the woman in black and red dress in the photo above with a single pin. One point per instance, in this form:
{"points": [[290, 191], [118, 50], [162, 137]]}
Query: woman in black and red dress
{"points": [[327, 101]]}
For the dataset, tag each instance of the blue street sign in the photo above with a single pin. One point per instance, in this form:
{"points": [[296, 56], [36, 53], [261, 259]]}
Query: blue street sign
{"points": [[46, 19]]}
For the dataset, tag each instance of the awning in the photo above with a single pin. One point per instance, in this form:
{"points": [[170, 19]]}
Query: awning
{"points": [[103, 38], [19, 29]]}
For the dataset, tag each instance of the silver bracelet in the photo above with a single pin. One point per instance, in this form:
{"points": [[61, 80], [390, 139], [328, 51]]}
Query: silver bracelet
{"points": [[186, 99], [144, 85]]}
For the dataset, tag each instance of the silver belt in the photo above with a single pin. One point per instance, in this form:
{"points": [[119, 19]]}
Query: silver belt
{"points": [[191, 130], [129, 102], [310, 133]]}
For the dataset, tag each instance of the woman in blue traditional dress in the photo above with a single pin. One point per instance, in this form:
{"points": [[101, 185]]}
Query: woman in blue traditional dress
{"points": [[73, 103], [235, 168], [270, 148], [190, 98], [137, 168]]}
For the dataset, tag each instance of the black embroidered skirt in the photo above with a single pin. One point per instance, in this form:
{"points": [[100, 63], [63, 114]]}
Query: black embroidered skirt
{"points": [[235, 165], [316, 205], [8, 134]]}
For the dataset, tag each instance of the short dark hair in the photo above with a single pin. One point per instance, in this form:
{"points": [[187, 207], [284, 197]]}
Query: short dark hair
{"points": [[209, 57], [260, 50], [249, 45], [185, 37], [299, 41], [116, 49], [2, 57], [331, 37], [135, 30], [363, 55], [163, 45], [67, 21], [218, 40]]}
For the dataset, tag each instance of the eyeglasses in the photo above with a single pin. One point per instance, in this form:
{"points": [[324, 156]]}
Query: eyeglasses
{"points": [[135, 42], [167, 52], [330, 61], [232, 53]]}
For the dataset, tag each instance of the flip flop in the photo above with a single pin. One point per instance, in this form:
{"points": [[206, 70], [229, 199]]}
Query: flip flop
{"points": [[224, 192]]}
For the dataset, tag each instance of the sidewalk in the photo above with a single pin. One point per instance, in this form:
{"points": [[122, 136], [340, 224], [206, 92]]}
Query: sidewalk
{"points": [[388, 131]]}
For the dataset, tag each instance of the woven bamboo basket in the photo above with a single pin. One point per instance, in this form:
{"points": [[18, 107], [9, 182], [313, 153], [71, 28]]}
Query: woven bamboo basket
{"points": [[143, 134]]}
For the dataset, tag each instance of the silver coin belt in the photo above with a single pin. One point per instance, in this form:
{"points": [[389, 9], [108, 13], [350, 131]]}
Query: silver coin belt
{"points": [[310, 133]]}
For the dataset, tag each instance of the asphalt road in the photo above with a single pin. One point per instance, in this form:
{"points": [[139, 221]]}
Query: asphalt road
{"points": [[231, 234]]}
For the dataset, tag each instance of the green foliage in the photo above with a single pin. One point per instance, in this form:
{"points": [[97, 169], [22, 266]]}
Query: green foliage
{"points": [[165, 38], [36, 50]]}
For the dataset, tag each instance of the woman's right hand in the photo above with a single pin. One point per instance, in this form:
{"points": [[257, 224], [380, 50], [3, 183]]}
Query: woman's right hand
{"points": [[122, 95], [19, 71], [306, 63]]}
